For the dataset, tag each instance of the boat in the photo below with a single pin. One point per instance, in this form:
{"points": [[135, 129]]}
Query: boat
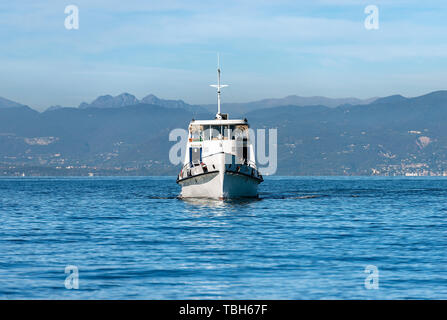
{"points": [[220, 159]]}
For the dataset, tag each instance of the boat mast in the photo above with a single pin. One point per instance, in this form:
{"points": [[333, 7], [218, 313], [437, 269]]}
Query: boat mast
{"points": [[218, 86]]}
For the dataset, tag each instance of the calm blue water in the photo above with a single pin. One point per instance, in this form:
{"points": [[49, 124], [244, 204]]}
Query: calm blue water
{"points": [[306, 238]]}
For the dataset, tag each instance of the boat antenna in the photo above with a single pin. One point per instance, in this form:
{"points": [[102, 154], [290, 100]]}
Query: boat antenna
{"points": [[218, 86]]}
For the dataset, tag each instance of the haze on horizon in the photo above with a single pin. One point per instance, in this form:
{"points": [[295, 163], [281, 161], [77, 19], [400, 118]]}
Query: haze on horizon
{"points": [[269, 49]]}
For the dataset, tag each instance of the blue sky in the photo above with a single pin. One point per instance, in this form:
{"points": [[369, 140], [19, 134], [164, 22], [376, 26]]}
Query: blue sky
{"points": [[269, 49]]}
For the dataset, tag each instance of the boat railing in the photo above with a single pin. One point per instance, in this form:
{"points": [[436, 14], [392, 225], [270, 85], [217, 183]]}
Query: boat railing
{"points": [[191, 165]]}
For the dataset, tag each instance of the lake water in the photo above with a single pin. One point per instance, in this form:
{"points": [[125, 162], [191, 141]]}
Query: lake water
{"points": [[305, 238]]}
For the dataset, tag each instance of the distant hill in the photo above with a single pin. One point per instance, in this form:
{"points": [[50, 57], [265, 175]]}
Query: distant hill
{"points": [[5, 103], [152, 99], [52, 108], [126, 99], [107, 101], [390, 136], [133, 136], [234, 109], [238, 109]]}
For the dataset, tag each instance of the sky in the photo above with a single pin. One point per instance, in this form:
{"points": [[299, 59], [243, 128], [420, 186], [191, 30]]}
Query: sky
{"points": [[268, 49]]}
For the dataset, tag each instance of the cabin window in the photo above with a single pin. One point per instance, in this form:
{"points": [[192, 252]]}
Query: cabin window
{"points": [[240, 132], [207, 133], [196, 133], [213, 132], [228, 129], [216, 132]]}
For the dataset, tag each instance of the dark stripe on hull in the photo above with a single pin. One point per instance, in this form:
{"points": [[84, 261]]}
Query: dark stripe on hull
{"points": [[259, 180], [195, 176]]}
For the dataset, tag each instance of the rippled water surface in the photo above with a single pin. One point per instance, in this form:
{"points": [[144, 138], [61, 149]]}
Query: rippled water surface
{"points": [[305, 238]]}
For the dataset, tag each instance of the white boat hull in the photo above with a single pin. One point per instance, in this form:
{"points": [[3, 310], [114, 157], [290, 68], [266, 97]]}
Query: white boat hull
{"points": [[220, 185]]}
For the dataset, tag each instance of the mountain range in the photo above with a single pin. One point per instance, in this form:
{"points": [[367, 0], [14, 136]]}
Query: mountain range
{"points": [[127, 99], [239, 109], [392, 135], [235, 109]]}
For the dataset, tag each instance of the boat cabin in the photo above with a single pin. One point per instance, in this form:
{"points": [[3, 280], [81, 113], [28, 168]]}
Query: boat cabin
{"points": [[202, 130], [211, 137]]}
